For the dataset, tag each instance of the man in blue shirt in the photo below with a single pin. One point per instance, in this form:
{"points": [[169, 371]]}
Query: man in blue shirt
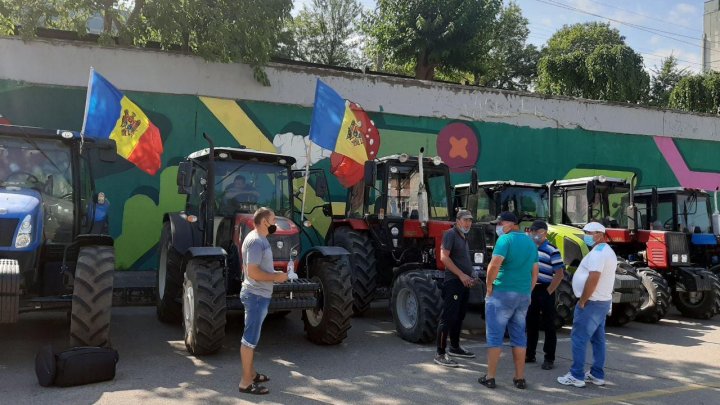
{"points": [[541, 313]]}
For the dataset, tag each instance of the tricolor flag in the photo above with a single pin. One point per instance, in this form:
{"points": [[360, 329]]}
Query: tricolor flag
{"points": [[345, 129], [109, 114]]}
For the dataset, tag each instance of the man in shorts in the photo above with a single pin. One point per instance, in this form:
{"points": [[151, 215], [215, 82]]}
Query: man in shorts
{"points": [[257, 287], [511, 274]]}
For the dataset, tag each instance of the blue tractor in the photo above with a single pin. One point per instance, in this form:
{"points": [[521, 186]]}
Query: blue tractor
{"points": [[54, 250]]}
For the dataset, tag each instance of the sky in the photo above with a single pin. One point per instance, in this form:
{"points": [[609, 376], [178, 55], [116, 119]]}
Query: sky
{"points": [[653, 28]]}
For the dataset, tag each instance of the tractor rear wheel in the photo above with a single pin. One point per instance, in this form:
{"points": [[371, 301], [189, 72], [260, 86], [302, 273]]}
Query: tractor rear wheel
{"points": [[623, 313], [564, 304], [416, 302], [329, 322], [363, 268], [169, 280], [716, 272], [9, 291], [92, 297], [698, 304], [204, 306], [657, 302]]}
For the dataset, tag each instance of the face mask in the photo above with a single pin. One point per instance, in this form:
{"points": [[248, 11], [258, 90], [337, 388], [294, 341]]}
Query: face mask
{"points": [[272, 228], [499, 230], [537, 238], [14, 167], [464, 230], [588, 239]]}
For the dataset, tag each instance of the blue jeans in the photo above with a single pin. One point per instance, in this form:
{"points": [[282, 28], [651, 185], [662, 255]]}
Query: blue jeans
{"points": [[589, 325], [256, 309], [506, 310]]}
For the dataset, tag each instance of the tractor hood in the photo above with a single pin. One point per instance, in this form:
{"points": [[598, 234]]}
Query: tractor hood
{"points": [[16, 201]]}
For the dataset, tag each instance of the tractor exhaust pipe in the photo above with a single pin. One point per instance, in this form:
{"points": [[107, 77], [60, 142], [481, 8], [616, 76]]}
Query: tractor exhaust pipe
{"points": [[210, 198], [716, 215], [422, 193]]}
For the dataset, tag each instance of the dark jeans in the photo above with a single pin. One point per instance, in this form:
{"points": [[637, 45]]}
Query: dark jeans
{"points": [[455, 298], [541, 314]]}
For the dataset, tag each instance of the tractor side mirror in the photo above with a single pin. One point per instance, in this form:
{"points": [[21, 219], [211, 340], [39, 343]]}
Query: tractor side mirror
{"points": [[473, 181], [321, 187], [370, 173], [107, 154], [654, 202], [184, 177], [327, 209]]}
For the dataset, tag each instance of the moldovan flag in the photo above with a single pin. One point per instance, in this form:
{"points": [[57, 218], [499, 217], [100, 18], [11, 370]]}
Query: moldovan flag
{"points": [[109, 114], [345, 129]]}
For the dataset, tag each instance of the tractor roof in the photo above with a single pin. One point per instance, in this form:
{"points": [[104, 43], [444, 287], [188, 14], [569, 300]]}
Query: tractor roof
{"points": [[504, 183], [585, 180], [243, 154], [410, 158], [671, 190], [35, 132]]}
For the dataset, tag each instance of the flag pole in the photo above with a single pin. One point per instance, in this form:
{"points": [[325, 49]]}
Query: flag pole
{"points": [[87, 100], [307, 174]]}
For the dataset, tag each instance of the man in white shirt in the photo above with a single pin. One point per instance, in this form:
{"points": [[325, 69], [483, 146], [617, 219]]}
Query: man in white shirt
{"points": [[593, 285]]}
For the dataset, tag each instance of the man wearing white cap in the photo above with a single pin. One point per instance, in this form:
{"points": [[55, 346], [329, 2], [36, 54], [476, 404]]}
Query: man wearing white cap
{"points": [[593, 285]]}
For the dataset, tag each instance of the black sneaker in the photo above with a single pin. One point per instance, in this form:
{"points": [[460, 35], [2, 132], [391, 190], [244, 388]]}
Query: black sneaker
{"points": [[547, 365], [529, 359], [444, 360], [460, 352]]}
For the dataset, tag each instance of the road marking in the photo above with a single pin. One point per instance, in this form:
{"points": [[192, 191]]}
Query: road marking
{"points": [[647, 394]]}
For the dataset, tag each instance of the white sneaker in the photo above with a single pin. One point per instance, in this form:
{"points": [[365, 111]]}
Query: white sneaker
{"points": [[568, 379], [594, 380]]}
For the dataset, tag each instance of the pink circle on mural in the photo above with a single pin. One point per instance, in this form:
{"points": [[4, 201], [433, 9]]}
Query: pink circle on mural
{"points": [[457, 145]]}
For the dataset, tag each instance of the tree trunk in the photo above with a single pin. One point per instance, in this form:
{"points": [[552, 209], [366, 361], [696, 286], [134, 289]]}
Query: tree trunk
{"points": [[424, 70], [107, 16]]}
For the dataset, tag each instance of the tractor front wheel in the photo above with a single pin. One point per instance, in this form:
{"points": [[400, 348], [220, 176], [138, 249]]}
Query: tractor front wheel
{"points": [[698, 304], [363, 269], [204, 306], [169, 280], [416, 302], [565, 302], [92, 297], [328, 323]]}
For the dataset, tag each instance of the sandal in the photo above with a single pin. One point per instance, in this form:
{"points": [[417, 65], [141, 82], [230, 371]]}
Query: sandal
{"points": [[254, 389], [488, 382], [260, 378], [519, 383]]}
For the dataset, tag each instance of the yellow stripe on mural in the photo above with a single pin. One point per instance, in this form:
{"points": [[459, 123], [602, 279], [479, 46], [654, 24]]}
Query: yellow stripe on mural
{"points": [[240, 126]]}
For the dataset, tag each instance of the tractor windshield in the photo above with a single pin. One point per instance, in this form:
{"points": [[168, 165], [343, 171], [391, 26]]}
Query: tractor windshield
{"points": [[403, 189], [41, 164], [527, 203], [246, 186], [693, 213], [610, 206]]}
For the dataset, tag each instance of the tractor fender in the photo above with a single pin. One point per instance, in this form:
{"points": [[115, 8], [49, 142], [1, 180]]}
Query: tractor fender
{"points": [[404, 268], [320, 251], [693, 279], [181, 231], [354, 223], [94, 239], [205, 251]]}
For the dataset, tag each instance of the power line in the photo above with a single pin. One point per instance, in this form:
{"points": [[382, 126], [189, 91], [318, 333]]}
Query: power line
{"points": [[646, 16]]}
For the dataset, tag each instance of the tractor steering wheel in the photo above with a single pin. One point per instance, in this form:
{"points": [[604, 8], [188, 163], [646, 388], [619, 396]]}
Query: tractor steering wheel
{"points": [[28, 176], [595, 214], [665, 224]]}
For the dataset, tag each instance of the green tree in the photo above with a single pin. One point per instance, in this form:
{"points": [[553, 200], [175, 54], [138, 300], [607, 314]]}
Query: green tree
{"points": [[430, 34], [591, 60], [327, 32], [697, 93], [665, 78]]}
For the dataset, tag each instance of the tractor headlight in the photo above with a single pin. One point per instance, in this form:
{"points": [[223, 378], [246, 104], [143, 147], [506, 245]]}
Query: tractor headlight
{"points": [[675, 258], [394, 231], [684, 258], [479, 257], [23, 238]]}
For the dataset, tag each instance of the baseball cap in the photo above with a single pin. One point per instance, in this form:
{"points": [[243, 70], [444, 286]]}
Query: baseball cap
{"points": [[538, 224], [506, 216], [463, 214], [594, 227]]}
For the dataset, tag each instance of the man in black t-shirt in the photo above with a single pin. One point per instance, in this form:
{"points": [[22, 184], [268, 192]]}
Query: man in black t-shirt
{"points": [[455, 255]]}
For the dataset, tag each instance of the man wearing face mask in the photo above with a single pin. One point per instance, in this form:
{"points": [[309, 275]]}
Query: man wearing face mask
{"points": [[455, 255], [511, 274], [541, 312], [593, 285], [257, 288]]}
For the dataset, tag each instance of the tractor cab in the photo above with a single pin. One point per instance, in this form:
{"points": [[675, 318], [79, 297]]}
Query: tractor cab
{"points": [[53, 224]]}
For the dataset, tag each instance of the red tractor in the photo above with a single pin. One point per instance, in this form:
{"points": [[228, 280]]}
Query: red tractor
{"points": [[200, 272], [393, 229]]}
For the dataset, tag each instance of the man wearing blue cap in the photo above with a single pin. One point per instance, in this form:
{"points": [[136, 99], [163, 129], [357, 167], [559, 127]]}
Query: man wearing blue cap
{"points": [[511, 274]]}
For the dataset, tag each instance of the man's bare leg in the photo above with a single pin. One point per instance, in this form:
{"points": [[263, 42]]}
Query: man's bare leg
{"points": [[519, 360], [247, 355], [493, 354]]}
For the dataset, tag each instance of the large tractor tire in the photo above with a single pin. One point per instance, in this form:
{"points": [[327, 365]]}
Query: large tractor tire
{"points": [[657, 301], [168, 296], [9, 290], [329, 322], [204, 306], [626, 312], [92, 297], [716, 272], [363, 268], [698, 305], [565, 302], [416, 303]]}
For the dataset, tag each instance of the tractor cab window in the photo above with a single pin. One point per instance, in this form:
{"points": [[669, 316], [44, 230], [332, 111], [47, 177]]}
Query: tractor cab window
{"points": [[693, 216], [527, 204], [404, 186], [42, 165], [481, 204], [576, 207], [611, 206], [664, 217], [247, 186]]}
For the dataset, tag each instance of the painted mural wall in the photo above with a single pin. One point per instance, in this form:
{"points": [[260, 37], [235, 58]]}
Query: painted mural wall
{"points": [[499, 150]]}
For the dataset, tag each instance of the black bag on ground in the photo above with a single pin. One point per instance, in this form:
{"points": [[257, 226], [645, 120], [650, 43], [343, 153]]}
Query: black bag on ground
{"points": [[76, 366]]}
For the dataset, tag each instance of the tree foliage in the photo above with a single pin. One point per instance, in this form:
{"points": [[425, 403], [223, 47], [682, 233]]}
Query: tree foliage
{"points": [[697, 93], [665, 78], [591, 60], [430, 34], [327, 32]]}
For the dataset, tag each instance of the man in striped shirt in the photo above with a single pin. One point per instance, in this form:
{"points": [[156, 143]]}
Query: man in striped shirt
{"points": [[541, 313]]}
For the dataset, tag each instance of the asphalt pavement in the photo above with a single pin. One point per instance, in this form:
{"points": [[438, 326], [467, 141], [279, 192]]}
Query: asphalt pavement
{"points": [[675, 361]]}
